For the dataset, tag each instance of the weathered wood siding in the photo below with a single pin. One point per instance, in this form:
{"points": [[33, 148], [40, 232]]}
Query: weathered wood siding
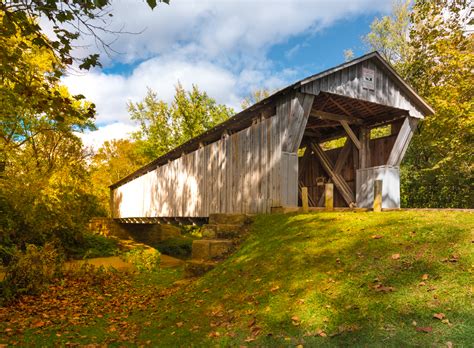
{"points": [[349, 82], [239, 173], [257, 167], [247, 172]]}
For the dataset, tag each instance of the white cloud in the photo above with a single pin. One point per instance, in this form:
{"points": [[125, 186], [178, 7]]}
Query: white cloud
{"points": [[220, 45], [111, 93], [109, 132], [221, 29]]}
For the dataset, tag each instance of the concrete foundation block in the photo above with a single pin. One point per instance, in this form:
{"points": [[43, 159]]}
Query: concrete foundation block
{"points": [[222, 231]]}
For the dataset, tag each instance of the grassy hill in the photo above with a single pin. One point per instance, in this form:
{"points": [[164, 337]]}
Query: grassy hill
{"points": [[318, 279]]}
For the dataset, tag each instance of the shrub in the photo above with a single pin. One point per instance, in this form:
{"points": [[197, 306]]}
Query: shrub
{"points": [[6, 253], [180, 247], [31, 271], [144, 259], [94, 245], [90, 275]]}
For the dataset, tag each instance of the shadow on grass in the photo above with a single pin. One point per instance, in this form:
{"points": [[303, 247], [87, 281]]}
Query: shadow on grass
{"points": [[302, 276], [359, 288]]}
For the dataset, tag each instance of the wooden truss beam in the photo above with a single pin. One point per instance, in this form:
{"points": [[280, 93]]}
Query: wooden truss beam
{"points": [[341, 160], [324, 115], [342, 108], [341, 184], [351, 134]]}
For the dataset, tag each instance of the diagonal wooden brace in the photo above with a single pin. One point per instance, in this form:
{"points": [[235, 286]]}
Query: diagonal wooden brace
{"points": [[351, 134], [341, 185]]}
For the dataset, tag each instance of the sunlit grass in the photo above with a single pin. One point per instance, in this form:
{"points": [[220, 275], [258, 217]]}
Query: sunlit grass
{"points": [[325, 279]]}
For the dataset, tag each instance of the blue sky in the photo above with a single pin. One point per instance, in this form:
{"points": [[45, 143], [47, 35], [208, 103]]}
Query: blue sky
{"points": [[227, 47]]}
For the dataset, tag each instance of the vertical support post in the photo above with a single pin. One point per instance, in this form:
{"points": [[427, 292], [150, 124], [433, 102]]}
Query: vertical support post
{"points": [[329, 196], [364, 151], [304, 199], [378, 195]]}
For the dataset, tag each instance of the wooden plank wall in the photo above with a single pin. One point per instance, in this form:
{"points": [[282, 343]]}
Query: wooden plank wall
{"points": [[247, 172], [348, 82], [311, 168], [239, 173]]}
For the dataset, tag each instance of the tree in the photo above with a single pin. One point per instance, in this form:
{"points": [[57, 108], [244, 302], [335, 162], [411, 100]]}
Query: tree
{"points": [[164, 126], [113, 161], [348, 54], [389, 34], [255, 97], [31, 97], [44, 190], [70, 19], [436, 59]]}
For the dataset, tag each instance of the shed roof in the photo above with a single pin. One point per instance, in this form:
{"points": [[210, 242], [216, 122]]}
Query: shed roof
{"points": [[244, 118]]}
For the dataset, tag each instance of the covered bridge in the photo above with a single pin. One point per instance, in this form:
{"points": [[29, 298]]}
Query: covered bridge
{"points": [[262, 156]]}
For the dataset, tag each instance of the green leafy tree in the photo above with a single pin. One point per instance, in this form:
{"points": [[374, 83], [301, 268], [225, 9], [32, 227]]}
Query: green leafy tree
{"points": [[436, 59], [44, 190], [32, 100], [388, 35], [164, 126], [70, 20]]}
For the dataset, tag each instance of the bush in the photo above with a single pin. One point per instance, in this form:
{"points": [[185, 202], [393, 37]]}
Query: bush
{"points": [[145, 260], [94, 245], [31, 271], [7, 251], [90, 275], [180, 247]]}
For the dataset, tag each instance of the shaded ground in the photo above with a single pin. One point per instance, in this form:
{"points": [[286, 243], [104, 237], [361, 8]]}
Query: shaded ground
{"points": [[116, 262], [317, 279]]}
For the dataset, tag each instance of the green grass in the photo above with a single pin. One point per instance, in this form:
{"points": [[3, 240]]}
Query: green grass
{"points": [[318, 279]]}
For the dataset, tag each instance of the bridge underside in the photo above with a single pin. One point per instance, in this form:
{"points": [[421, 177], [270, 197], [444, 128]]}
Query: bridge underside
{"points": [[163, 220]]}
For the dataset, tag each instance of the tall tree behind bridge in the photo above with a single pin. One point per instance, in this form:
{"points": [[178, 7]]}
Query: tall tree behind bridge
{"points": [[164, 126], [255, 97], [431, 49]]}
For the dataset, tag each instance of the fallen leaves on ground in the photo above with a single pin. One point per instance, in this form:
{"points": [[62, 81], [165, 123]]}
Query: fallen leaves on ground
{"points": [[275, 288], [81, 299], [383, 288], [439, 316], [295, 320]]}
